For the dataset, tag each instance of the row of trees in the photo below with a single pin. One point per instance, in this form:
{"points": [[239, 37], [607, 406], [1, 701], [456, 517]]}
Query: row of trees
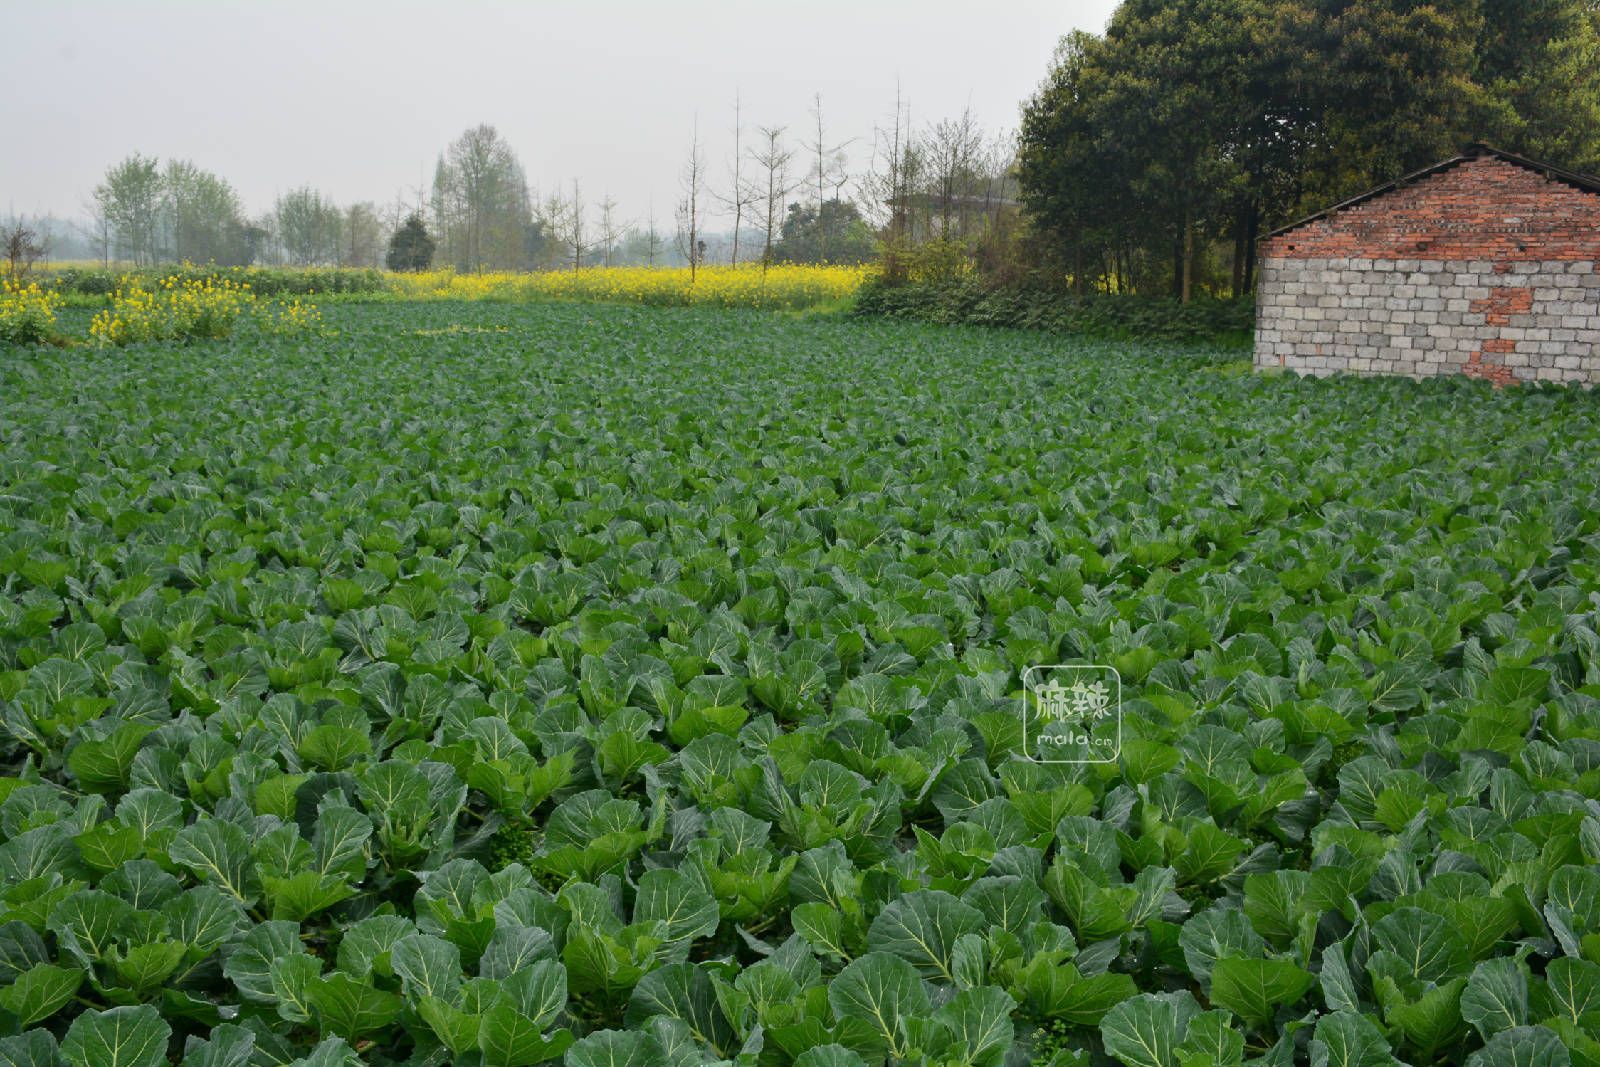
{"points": [[145, 213], [1153, 157], [780, 196], [485, 216]]}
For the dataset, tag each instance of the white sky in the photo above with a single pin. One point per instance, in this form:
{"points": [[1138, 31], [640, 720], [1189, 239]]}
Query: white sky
{"points": [[358, 97]]}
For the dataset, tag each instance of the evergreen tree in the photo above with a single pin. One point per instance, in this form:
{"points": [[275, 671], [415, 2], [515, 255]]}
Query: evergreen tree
{"points": [[411, 246]]}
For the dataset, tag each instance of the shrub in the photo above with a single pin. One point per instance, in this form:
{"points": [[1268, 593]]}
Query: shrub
{"points": [[27, 314], [966, 300], [937, 262]]}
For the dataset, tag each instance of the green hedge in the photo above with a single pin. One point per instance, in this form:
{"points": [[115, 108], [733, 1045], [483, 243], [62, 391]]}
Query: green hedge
{"points": [[969, 302]]}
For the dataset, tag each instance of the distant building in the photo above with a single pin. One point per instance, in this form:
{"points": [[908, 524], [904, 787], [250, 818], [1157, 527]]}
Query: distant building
{"points": [[1483, 265], [928, 216]]}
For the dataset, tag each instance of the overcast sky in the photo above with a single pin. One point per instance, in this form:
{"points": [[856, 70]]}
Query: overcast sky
{"points": [[358, 97]]}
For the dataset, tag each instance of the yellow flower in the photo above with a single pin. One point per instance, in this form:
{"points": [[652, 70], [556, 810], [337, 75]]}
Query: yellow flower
{"points": [[785, 286]]}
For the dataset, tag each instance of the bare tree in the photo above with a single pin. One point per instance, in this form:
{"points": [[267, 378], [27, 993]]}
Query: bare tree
{"points": [[829, 170], [96, 228], [552, 215], [564, 219], [611, 228], [998, 166], [23, 246], [362, 241], [891, 178], [652, 237], [954, 148], [577, 229], [692, 180], [773, 160], [741, 195], [269, 247]]}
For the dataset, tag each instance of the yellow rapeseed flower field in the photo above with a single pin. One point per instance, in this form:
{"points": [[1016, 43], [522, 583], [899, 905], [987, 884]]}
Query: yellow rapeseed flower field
{"points": [[783, 287], [187, 302]]}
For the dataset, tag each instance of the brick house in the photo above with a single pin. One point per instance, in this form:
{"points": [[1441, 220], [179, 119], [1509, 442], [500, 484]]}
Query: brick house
{"points": [[1483, 265]]}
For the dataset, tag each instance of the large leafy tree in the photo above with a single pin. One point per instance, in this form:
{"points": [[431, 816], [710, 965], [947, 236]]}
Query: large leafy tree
{"points": [[1396, 91], [834, 234], [308, 226], [481, 205], [202, 217], [1172, 87], [1060, 141], [1200, 121], [130, 199], [1540, 62]]}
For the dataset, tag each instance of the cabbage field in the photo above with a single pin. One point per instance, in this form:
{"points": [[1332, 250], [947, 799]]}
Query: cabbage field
{"points": [[495, 685]]}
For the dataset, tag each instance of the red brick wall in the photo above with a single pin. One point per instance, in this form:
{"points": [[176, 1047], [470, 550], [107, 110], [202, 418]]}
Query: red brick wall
{"points": [[1481, 209]]}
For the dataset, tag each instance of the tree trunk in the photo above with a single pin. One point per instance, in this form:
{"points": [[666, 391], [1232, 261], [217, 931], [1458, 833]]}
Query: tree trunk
{"points": [[1188, 254], [1252, 229], [1178, 261], [1241, 224]]}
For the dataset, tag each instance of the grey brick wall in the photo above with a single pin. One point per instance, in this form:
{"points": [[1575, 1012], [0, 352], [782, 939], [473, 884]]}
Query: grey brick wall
{"points": [[1518, 321]]}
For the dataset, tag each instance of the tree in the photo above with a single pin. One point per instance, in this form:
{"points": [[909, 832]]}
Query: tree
{"points": [[177, 185], [411, 246], [307, 227], [23, 245], [96, 229], [1172, 73], [644, 244], [953, 147], [692, 181], [1192, 124], [539, 246], [268, 244], [202, 218], [1396, 88], [893, 174], [611, 228], [1538, 63], [829, 170], [835, 234], [130, 197], [654, 244], [741, 195], [567, 221], [773, 160], [361, 236], [562, 219], [481, 204]]}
